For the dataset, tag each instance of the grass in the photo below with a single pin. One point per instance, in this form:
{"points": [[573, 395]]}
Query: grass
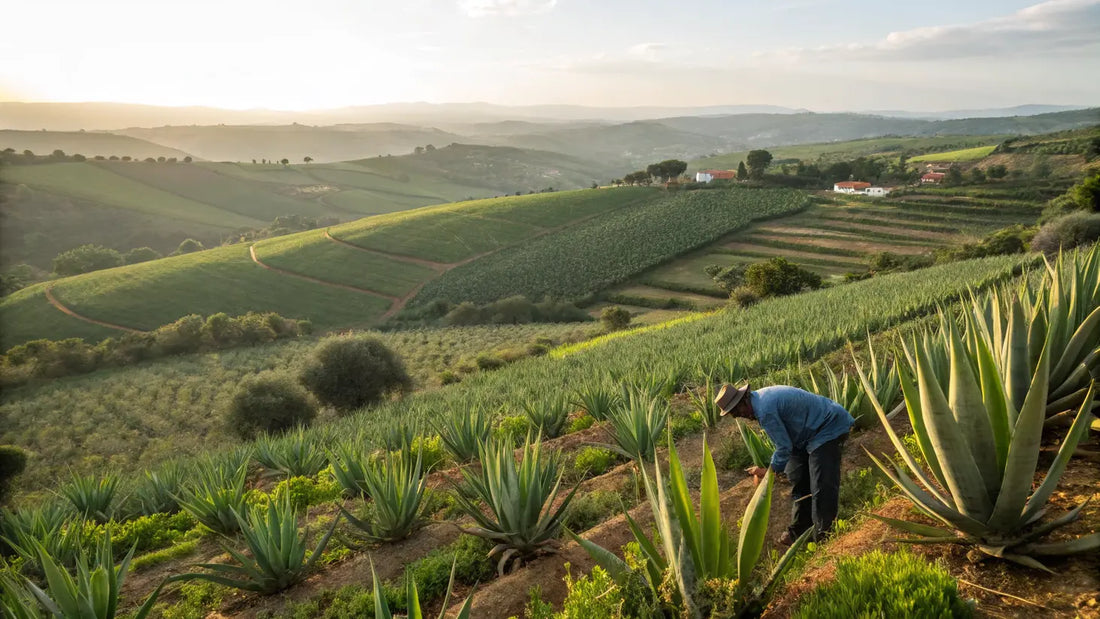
{"points": [[208, 185], [91, 182], [151, 294], [310, 253], [965, 154]]}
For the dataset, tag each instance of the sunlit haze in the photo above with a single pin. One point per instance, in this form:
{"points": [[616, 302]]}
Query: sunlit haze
{"points": [[817, 54]]}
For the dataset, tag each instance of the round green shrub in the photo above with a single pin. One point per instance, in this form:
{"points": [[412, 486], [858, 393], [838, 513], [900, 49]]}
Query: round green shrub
{"points": [[878, 584], [614, 318], [1075, 229], [13, 461], [350, 373], [269, 402]]}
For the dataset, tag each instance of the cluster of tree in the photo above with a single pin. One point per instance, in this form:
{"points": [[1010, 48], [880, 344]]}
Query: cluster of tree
{"points": [[13, 461], [420, 150], [347, 374], [16, 278], [91, 257], [770, 278], [190, 334], [668, 170], [9, 155]]}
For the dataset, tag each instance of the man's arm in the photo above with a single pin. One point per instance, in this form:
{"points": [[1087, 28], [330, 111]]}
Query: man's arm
{"points": [[778, 435]]}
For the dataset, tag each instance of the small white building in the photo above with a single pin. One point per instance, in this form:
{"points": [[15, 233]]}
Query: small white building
{"points": [[878, 192], [851, 187], [706, 176]]}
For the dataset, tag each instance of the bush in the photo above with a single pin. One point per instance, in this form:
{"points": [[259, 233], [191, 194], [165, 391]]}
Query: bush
{"points": [[743, 297], [1068, 232], [885, 585], [182, 336], [85, 259], [589, 510], [350, 373], [13, 461], [271, 403], [614, 318], [306, 491], [592, 461], [489, 362], [778, 277], [1011, 240], [188, 246], [141, 254]]}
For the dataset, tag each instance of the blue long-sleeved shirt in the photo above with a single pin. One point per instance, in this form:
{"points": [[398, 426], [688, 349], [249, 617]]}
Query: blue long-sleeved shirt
{"points": [[797, 419]]}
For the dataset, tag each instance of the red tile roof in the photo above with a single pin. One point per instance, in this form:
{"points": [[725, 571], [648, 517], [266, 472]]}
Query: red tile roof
{"points": [[721, 173], [853, 185], [933, 176]]}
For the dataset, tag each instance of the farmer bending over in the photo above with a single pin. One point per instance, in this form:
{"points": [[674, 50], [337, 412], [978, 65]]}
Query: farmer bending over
{"points": [[808, 432]]}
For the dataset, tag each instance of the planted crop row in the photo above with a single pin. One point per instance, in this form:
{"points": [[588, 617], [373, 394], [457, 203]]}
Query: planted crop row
{"points": [[593, 255]]}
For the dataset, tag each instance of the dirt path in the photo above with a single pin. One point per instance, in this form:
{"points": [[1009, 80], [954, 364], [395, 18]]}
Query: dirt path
{"points": [[110, 325], [256, 259]]}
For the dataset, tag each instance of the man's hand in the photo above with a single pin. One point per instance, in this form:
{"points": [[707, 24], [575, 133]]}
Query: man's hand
{"points": [[758, 473]]}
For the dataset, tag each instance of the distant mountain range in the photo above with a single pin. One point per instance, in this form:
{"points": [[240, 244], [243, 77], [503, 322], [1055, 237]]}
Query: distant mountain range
{"points": [[112, 116], [609, 144]]}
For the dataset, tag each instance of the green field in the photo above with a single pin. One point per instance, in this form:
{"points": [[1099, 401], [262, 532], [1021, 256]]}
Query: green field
{"points": [[606, 250], [147, 295], [965, 154], [837, 151]]}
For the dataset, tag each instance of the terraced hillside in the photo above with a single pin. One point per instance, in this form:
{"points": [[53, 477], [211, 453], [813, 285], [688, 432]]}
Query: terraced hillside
{"points": [[51, 207], [834, 237], [363, 272]]}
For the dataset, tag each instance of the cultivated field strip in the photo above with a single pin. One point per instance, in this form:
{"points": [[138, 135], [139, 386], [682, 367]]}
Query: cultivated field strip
{"points": [[835, 239]]}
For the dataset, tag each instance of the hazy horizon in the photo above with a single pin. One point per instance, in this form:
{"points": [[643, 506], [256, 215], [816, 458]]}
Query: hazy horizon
{"points": [[821, 55]]}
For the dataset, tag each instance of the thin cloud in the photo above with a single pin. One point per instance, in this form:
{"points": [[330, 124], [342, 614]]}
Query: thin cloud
{"points": [[1056, 26], [489, 8]]}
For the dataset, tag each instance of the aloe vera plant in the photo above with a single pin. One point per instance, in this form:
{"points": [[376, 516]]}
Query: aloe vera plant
{"points": [[400, 435], [637, 425], [412, 598], [349, 467], [694, 546], [92, 497], [521, 518], [702, 400], [49, 527], [549, 416], [293, 454], [982, 452], [158, 490], [396, 485], [276, 556], [92, 592], [463, 431], [217, 497], [758, 444], [596, 399]]}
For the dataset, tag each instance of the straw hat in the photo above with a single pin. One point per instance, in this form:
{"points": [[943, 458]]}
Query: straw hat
{"points": [[729, 397]]}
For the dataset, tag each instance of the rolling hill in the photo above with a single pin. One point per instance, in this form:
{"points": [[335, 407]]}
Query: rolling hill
{"points": [[85, 143], [52, 207], [363, 272]]}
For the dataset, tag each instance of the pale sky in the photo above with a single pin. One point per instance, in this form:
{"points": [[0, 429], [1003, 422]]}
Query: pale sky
{"points": [[819, 54]]}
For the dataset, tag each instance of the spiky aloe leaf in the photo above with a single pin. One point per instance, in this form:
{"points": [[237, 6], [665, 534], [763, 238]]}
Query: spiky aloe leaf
{"points": [[966, 402], [1023, 453], [961, 472], [754, 527], [1065, 452]]}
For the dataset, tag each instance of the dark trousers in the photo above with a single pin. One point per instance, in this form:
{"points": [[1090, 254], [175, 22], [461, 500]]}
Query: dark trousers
{"points": [[815, 487]]}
